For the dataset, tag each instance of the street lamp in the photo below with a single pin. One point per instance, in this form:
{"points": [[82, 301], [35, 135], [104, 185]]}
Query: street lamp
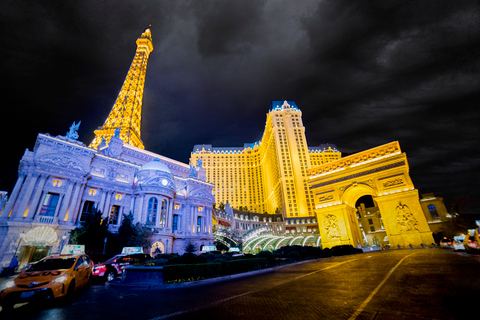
{"points": [[20, 238], [63, 243]]}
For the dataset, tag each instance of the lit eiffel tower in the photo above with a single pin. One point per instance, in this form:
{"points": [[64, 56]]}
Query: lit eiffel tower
{"points": [[126, 114]]}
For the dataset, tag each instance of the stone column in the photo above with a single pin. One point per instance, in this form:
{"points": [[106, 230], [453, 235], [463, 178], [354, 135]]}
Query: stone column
{"points": [[208, 219], [36, 197], [73, 204], [108, 197], [32, 180], [66, 202], [139, 217], [14, 195], [78, 205], [170, 214], [102, 201], [57, 210]]}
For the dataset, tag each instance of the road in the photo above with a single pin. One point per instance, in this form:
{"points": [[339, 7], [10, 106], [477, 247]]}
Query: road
{"points": [[395, 284]]}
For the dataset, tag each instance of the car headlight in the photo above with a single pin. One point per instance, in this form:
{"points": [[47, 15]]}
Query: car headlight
{"points": [[10, 284], [61, 278]]}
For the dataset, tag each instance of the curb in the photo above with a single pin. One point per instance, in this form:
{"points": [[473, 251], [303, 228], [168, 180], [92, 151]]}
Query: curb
{"points": [[144, 285]]}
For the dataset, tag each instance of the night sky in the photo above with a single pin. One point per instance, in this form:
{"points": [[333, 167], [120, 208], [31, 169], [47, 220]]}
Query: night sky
{"points": [[364, 73]]}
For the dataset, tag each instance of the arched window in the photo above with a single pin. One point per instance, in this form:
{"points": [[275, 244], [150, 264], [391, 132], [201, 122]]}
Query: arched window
{"points": [[163, 213], [433, 212], [152, 211]]}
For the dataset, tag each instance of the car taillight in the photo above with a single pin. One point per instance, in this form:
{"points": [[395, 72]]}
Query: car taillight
{"points": [[99, 269]]}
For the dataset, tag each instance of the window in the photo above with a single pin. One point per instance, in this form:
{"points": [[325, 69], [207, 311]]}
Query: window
{"points": [[152, 211], [370, 221], [433, 212], [175, 223], [49, 205], [114, 215], [88, 208], [372, 229], [199, 224]]}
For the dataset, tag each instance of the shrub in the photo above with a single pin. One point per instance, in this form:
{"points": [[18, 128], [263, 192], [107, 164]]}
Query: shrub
{"points": [[190, 272], [267, 255]]}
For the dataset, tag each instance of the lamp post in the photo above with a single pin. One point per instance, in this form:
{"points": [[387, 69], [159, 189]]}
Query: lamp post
{"points": [[20, 238], [63, 243], [104, 244]]}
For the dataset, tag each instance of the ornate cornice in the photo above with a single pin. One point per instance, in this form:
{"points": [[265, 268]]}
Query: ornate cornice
{"points": [[361, 158]]}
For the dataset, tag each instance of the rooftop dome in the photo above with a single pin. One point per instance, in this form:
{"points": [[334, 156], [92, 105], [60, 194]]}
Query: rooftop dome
{"points": [[156, 164]]}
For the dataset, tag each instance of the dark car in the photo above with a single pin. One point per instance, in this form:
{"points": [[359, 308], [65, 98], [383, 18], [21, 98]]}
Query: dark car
{"points": [[113, 267]]}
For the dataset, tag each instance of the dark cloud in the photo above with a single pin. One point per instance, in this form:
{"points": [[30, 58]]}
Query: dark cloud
{"points": [[363, 74]]}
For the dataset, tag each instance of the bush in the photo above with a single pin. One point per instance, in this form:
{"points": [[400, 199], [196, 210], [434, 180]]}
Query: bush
{"points": [[267, 255], [193, 272], [190, 272], [345, 250]]}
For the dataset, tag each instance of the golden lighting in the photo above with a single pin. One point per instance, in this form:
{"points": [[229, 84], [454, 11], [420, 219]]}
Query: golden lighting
{"points": [[57, 183], [126, 113]]}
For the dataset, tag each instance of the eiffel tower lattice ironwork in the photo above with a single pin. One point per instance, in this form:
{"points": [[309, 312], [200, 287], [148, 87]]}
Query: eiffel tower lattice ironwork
{"points": [[126, 114]]}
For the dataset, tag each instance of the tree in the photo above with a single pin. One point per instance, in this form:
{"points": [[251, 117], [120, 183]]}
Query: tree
{"points": [[190, 247], [92, 232], [131, 235], [221, 206]]}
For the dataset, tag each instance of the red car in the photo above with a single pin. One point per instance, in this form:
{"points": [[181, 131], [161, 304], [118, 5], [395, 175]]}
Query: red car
{"points": [[113, 267]]}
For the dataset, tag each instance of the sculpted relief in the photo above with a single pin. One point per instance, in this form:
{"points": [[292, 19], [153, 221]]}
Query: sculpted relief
{"points": [[406, 221], [62, 160], [330, 224]]}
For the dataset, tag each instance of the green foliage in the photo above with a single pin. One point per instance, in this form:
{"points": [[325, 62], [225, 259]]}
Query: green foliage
{"points": [[190, 247], [221, 206], [92, 232], [192, 272]]}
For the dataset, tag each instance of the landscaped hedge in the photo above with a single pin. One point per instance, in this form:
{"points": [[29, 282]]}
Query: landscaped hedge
{"points": [[193, 272], [190, 272]]}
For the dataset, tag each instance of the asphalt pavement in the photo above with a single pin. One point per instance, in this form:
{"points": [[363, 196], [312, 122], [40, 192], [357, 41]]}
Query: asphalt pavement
{"points": [[394, 284]]}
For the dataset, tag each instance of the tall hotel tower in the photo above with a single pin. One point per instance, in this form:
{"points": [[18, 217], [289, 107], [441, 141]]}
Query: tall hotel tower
{"points": [[269, 175]]}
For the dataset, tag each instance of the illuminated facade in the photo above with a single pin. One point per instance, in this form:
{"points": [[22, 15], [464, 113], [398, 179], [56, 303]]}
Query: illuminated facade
{"points": [[126, 113], [269, 175], [380, 172], [61, 179]]}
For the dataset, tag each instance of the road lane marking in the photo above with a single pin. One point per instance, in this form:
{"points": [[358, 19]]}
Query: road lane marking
{"points": [[364, 304], [244, 294]]}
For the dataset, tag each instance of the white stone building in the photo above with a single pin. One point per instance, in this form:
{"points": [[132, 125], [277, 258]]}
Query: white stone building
{"points": [[63, 178]]}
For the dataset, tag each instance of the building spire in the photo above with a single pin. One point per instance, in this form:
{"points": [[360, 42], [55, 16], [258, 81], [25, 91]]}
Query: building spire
{"points": [[126, 114]]}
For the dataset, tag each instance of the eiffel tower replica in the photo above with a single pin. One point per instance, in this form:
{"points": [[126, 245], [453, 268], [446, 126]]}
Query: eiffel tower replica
{"points": [[126, 114]]}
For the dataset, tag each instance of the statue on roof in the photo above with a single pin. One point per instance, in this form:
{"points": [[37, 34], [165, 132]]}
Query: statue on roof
{"points": [[72, 133], [193, 171]]}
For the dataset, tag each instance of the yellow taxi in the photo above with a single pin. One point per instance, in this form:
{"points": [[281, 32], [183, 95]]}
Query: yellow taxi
{"points": [[52, 277]]}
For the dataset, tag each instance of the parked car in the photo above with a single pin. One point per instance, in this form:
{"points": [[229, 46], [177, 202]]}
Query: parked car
{"points": [[458, 245], [446, 243], [50, 278], [114, 267], [471, 245]]}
